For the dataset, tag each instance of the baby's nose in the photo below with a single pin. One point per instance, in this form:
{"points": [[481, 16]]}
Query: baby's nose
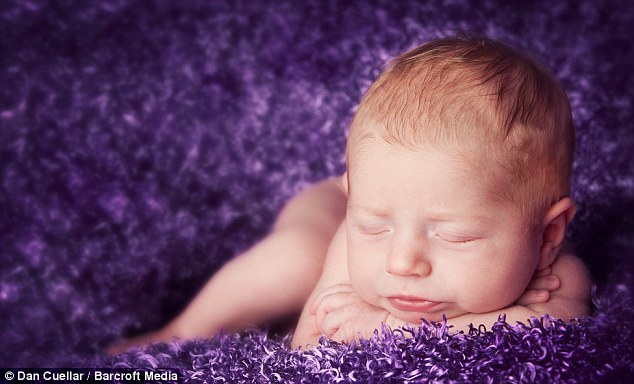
{"points": [[408, 261]]}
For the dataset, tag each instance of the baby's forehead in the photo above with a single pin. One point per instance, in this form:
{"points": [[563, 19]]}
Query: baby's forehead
{"points": [[442, 182], [374, 147], [471, 161], [466, 142]]}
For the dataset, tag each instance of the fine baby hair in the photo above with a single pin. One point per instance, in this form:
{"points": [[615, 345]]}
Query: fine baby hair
{"points": [[501, 104]]}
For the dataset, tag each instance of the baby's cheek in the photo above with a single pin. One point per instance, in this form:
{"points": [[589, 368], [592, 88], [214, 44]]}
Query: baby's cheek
{"points": [[497, 294], [364, 285], [507, 294], [365, 289]]}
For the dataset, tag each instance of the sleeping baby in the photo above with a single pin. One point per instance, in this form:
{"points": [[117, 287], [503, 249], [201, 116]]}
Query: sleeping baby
{"points": [[454, 204]]}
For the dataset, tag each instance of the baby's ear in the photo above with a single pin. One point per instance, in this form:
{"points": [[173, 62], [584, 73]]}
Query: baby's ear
{"points": [[554, 226]]}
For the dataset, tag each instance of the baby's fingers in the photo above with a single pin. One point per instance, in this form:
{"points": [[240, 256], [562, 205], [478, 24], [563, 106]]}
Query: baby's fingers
{"points": [[539, 289], [549, 283], [543, 272], [333, 324], [329, 324], [328, 306], [317, 302], [533, 296]]}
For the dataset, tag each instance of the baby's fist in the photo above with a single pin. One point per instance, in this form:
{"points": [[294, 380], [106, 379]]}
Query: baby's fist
{"points": [[342, 315]]}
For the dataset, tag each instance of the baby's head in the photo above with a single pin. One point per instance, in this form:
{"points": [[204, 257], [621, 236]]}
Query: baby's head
{"points": [[481, 99], [459, 161]]}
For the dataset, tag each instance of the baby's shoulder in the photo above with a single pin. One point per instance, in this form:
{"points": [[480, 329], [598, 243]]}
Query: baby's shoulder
{"points": [[575, 277]]}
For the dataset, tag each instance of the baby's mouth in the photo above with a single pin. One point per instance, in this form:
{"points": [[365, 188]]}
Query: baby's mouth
{"points": [[413, 304]]}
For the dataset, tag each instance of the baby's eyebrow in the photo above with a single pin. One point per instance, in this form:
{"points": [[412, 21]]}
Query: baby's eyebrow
{"points": [[370, 211], [445, 218], [438, 217]]}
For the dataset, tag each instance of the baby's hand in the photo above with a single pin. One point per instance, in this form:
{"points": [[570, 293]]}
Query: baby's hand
{"points": [[341, 315], [540, 287]]}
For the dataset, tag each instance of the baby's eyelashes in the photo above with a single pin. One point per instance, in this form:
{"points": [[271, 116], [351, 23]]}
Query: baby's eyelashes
{"points": [[376, 233], [370, 230], [456, 239], [453, 238]]}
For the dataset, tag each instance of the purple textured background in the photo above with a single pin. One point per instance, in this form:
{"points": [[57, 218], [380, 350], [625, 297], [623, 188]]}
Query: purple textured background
{"points": [[144, 143]]}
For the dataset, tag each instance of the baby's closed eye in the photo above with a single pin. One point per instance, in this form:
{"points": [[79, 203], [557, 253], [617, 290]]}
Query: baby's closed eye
{"points": [[455, 239], [372, 230], [454, 235]]}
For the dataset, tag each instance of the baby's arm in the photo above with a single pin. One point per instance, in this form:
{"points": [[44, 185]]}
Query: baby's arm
{"points": [[570, 300], [562, 291], [335, 273], [341, 314]]}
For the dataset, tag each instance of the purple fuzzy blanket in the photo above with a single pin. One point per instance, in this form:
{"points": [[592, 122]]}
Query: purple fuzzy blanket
{"points": [[144, 143]]}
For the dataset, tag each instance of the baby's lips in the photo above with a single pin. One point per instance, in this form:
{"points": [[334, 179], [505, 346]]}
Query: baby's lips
{"points": [[411, 304]]}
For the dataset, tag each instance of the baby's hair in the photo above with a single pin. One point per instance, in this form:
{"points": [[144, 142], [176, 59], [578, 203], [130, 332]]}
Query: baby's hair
{"points": [[493, 100]]}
